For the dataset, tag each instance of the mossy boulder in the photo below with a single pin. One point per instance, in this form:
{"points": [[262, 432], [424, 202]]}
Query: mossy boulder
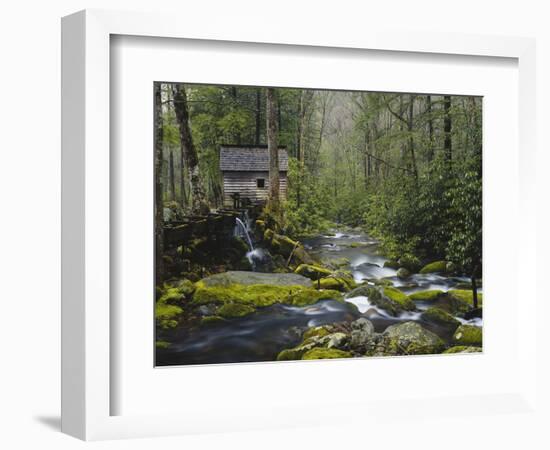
{"points": [[325, 353], [403, 273], [435, 267], [255, 294], [466, 296], [361, 291], [339, 281], [237, 299], [468, 335], [231, 310], [388, 298], [391, 263], [396, 296], [312, 272], [292, 354], [167, 315], [362, 335], [440, 317], [169, 306], [250, 278], [442, 300], [391, 299], [463, 349], [426, 296], [162, 344], [315, 332], [410, 338], [206, 320]]}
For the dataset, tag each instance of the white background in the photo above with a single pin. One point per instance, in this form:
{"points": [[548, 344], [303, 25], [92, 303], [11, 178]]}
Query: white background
{"points": [[29, 181]]}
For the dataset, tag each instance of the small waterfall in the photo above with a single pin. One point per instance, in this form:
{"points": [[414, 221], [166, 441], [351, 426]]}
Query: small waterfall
{"points": [[240, 225]]}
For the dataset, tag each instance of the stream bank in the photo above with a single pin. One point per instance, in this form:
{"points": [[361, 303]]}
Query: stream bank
{"points": [[371, 309]]}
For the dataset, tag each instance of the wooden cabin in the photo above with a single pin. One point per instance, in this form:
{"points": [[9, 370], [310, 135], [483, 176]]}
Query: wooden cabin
{"points": [[245, 171]]}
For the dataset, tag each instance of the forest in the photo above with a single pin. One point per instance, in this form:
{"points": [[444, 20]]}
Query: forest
{"points": [[381, 213]]}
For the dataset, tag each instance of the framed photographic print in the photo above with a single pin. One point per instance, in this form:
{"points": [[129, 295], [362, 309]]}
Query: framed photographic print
{"points": [[243, 211]]}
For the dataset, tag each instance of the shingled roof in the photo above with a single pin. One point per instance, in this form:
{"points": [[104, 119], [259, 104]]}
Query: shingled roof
{"points": [[249, 158]]}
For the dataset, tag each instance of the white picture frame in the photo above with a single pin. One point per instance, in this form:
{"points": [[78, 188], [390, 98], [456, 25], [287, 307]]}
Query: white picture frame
{"points": [[87, 385]]}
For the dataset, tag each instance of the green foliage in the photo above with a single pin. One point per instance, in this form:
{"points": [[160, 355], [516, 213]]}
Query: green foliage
{"points": [[465, 244], [308, 204]]}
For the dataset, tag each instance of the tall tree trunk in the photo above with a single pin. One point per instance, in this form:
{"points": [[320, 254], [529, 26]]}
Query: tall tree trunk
{"points": [[410, 128], [198, 201], [183, 191], [233, 90], [159, 207], [447, 128], [273, 149], [172, 178], [474, 291], [258, 115], [430, 127], [366, 159]]}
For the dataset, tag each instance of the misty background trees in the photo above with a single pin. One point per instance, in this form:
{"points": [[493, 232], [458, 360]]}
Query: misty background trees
{"points": [[406, 167]]}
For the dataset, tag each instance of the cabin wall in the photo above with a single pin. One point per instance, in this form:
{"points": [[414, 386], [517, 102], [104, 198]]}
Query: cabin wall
{"points": [[245, 184]]}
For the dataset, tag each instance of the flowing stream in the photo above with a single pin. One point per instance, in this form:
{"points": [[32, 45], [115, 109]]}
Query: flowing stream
{"points": [[262, 335]]}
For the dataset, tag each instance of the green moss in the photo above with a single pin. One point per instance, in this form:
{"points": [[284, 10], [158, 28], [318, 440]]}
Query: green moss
{"points": [[286, 245], [437, 315], [162, 344], [315, 332], [259, 295], [171, 295], [312, 272], [463, 349], [355, 245], [339, 281], [231, 310], [268, 235], [167, 314], [303, 297], [325, 353], [395, 295], [426, 296], [206, 320], [290, 354], [466, 296], [468, 335], [436, 266], [164, 311]]}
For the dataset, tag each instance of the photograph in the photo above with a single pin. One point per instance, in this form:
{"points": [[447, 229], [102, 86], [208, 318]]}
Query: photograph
{"points": [[306, 224]]}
